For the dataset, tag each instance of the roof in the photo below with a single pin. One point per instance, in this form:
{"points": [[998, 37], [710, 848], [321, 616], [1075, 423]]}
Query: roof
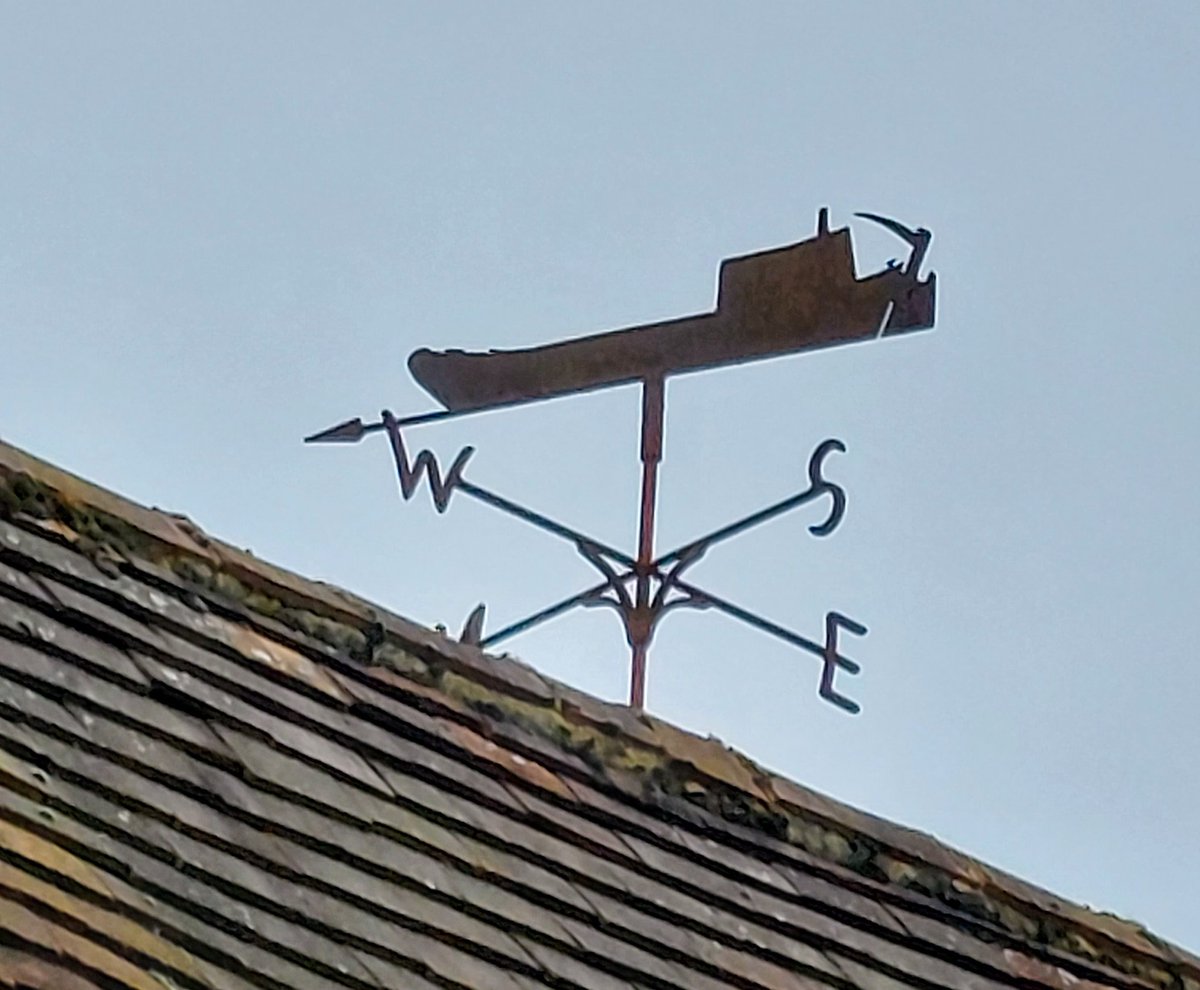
{"points": [[217, 774]]}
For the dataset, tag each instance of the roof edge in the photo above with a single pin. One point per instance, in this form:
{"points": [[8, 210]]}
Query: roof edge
{"points": [[667, 762]]}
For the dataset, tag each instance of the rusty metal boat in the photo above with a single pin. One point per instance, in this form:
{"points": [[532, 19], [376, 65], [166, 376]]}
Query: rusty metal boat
{"points": [[794, 298]]}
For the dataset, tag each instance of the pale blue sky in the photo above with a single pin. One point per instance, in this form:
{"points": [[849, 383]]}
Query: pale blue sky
{"points": [[224, 226]]}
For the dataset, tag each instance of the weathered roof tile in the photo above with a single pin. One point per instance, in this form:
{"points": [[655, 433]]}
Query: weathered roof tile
{"points": [[216, 774]]}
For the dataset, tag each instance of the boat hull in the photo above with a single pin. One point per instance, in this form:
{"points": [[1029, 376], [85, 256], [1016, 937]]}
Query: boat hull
{"points": [[801, 297]]}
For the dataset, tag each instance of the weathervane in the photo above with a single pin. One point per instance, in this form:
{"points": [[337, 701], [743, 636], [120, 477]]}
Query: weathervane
{"points": [[796, 298]]}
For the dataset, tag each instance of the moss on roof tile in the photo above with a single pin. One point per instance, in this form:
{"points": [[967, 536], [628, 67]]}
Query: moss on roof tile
{"points": [[666, 763]]}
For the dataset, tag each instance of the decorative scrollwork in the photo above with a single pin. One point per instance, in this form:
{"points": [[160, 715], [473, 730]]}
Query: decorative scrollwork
{"points": [[819, 486]]}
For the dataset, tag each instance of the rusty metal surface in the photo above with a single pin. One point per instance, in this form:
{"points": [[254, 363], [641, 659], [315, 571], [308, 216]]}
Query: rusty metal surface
{"points": [[776, 302], [796, 298], [251, 826]]}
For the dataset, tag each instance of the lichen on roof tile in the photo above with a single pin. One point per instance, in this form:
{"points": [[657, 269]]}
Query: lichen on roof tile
{"points": [[353, 800]]}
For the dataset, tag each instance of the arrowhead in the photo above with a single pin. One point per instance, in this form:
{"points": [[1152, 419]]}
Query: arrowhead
{"points": [[350, 431], [472, 632]]}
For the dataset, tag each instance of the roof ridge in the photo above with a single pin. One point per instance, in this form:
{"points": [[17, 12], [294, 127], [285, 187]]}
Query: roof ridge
{"points": [[634, 751]]}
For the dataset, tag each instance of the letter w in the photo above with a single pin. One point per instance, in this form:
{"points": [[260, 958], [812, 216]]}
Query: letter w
{"points": [[425, 464]]}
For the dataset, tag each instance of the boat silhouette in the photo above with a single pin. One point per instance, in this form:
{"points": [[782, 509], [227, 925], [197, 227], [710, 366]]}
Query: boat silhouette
{"points": [[799, 297]]}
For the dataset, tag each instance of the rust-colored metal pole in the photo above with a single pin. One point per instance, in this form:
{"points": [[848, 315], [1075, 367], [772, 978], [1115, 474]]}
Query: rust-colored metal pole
{"points": [[641, 622]]}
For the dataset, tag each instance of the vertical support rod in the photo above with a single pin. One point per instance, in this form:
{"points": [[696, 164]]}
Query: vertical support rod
{"points": [[640, 625]]}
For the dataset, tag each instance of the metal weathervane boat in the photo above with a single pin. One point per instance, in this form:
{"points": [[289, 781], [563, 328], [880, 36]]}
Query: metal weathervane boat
{"points": [[800, 297]]}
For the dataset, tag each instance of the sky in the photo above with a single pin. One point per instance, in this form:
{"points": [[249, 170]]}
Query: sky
{"points": [[225, 226]]}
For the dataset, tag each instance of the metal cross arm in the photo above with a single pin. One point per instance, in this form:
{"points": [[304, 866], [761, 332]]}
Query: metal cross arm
{"points": [[827, 652], [668, 569], [700, 599], [441, 487], [662, 577], [818, 486]]}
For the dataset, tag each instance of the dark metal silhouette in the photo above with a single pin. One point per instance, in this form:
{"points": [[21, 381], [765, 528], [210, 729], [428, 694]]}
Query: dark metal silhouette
{"points": [[795, 298], [791, 299], [472, 630]]}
